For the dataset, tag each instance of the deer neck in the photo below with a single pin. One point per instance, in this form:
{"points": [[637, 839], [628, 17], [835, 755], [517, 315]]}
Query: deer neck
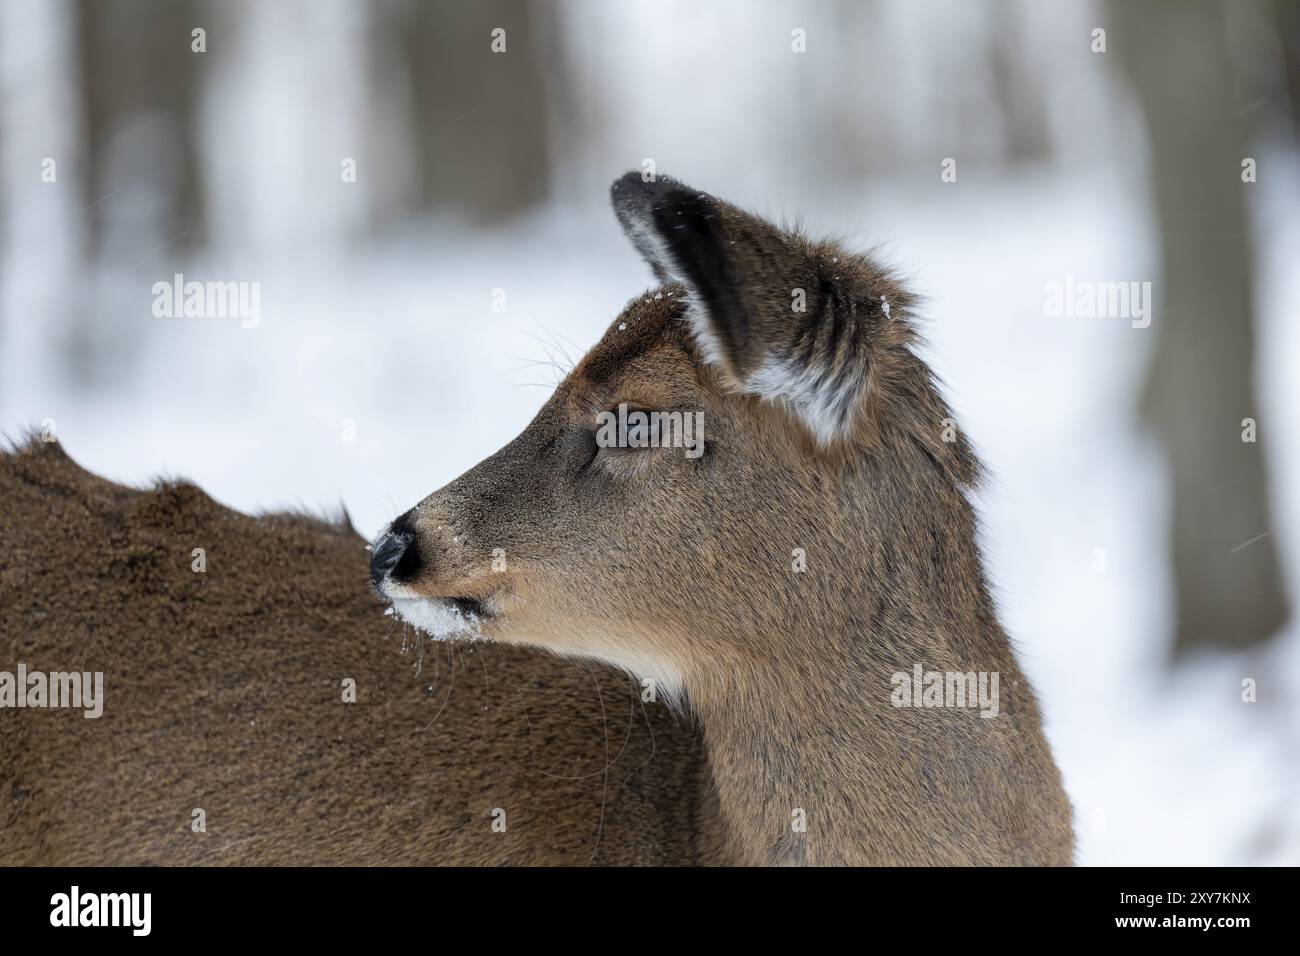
{"points": [[789, 743], [814, 758]]}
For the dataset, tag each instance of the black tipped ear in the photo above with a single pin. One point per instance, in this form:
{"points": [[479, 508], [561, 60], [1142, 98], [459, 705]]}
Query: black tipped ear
{"points": [[783, 318], [634, 200], [679, 231]]}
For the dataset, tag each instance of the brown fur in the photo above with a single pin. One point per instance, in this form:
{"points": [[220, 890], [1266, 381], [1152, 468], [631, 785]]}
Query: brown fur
{"points": [[223, 691]]}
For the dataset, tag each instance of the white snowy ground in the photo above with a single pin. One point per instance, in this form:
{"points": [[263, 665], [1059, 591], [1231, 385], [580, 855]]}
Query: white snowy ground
{"points": [[402, 341]]}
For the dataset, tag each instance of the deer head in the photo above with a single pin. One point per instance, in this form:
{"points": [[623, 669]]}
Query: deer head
{"points": [[803, 534], [797, 426]]}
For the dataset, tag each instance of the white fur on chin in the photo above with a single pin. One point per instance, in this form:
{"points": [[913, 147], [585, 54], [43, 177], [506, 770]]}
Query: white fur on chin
{"points": [[439, 619]]}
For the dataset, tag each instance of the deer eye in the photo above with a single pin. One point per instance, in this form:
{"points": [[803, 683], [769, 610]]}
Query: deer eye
{"points": [[625, 429]]}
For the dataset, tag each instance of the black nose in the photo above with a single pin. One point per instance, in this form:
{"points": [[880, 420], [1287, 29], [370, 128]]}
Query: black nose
{"points": [[387, 553]]}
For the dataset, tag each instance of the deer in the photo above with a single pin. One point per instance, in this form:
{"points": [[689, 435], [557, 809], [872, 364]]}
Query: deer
{"points": [[739, 645], [782, 582]]}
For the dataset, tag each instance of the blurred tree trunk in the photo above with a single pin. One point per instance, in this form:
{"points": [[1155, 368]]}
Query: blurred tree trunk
{"points": [[482, 121], [1022, 100], [139, 84], [1200, 386], [139, 168], [1287, 13]]}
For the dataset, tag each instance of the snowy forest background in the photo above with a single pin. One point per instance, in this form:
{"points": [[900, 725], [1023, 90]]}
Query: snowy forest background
{"points": [[1146, 559]]}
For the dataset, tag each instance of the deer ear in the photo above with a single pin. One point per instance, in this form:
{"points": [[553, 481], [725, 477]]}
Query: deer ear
{"points": [[783, 318], [679, 231]]}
